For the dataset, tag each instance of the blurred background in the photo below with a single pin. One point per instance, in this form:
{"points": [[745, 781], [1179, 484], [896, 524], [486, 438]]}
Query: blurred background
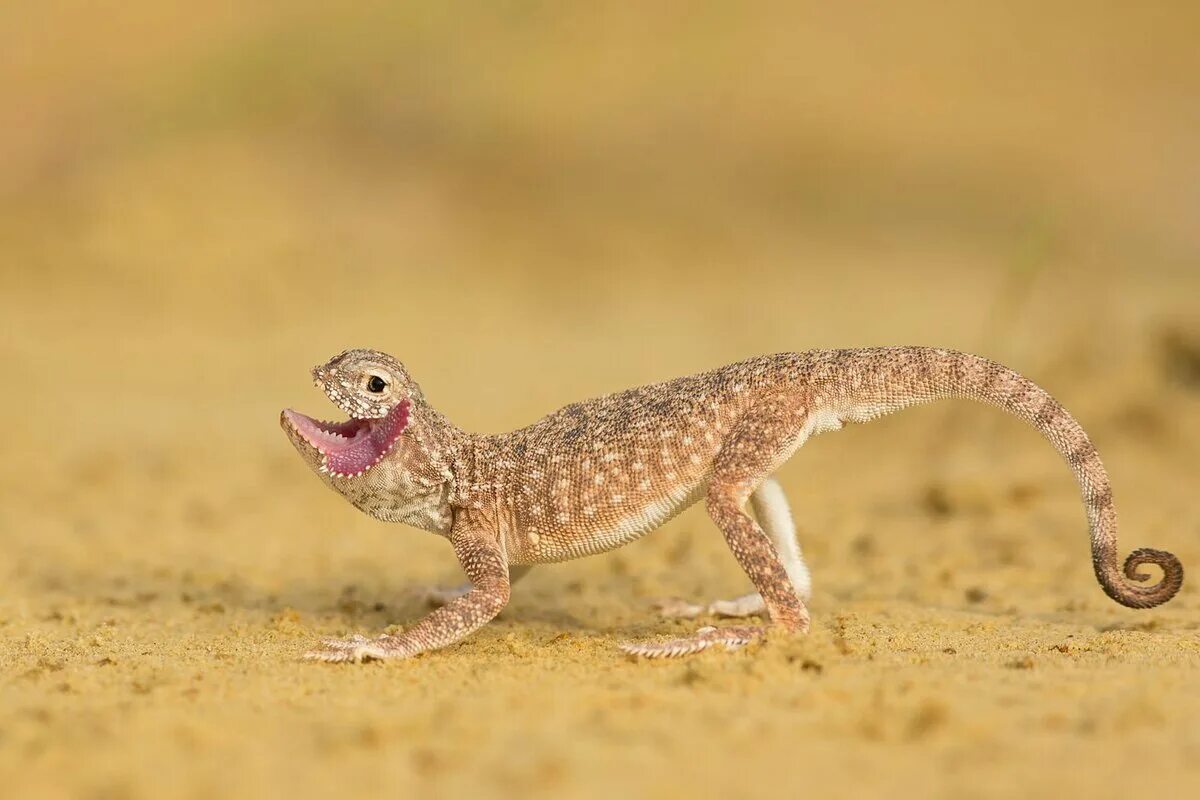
{"points": [[530, 203]]}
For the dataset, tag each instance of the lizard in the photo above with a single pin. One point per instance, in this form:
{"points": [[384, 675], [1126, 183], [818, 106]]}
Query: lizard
{"points": [[599, 474]]}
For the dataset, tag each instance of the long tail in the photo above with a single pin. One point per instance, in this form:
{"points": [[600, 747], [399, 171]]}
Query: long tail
{"points": [[875, 381]]}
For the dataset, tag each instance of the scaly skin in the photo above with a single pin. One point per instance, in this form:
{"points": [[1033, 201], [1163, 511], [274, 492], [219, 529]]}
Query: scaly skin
{"points": [[599, 474]]}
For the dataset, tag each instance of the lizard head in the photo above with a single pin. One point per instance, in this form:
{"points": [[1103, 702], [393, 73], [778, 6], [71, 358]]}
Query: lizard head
{"points": [[376, 392]]}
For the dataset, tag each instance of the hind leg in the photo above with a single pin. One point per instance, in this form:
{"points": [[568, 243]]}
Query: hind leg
{"points": [[771, 510], [765, 437]]}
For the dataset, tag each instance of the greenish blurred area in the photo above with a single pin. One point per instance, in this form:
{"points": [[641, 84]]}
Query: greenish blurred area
{"points": [[548, 182]]}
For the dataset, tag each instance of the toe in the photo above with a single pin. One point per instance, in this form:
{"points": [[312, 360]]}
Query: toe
{"points": [[329, 655], [677, 608], [745, 606], [347, 643], [351, 648], [672, 648], [729, 638]]}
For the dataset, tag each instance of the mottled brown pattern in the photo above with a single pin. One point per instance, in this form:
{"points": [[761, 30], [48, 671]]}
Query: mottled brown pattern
{"points": [[599, 474]]}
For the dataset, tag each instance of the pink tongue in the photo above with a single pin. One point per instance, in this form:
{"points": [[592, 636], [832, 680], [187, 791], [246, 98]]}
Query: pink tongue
{"points": [[369, 444]]}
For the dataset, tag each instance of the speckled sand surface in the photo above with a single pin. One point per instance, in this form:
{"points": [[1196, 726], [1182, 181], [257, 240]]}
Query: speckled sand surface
{"points": [[162, 575], [235, 197]]}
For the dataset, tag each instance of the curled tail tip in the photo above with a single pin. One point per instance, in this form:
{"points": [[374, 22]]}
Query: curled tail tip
{"points": [[1138, 594]]}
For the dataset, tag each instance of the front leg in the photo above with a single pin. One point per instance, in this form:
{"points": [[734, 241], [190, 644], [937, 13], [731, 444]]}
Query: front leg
{"points": [[478, 550], [434, 596]]}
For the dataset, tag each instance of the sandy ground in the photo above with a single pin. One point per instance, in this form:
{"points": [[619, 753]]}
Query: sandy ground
{"points": [[236, 198]]}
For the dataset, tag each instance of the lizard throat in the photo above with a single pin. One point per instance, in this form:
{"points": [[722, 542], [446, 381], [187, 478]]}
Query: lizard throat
{"points": [[349, 449]]}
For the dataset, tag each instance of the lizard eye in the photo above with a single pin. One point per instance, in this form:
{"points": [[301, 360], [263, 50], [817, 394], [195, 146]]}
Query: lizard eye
{"points": [[376, 384]]}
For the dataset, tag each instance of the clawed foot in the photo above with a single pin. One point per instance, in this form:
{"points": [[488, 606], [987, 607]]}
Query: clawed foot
{"points": [[354, 649], [731, 638], [745, 606]]}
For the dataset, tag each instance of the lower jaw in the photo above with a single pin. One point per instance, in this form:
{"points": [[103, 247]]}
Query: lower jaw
{"points": [[354, 455]]}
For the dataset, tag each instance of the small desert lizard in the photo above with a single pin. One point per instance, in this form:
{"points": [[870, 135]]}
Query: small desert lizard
{"points": [[599, 474]]}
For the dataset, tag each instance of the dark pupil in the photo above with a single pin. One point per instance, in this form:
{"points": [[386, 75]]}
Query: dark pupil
{"points": [[376, 384]]}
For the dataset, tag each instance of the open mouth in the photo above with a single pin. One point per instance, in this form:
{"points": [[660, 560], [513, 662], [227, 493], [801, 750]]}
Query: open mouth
{"points": [[350, 448]]}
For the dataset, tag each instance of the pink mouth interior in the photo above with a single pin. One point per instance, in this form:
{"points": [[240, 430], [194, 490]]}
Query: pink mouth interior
{"points": [[352, 447]]}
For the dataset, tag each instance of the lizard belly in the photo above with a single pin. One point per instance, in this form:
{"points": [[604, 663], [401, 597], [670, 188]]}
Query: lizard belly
{"points": [[591, 532]]}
